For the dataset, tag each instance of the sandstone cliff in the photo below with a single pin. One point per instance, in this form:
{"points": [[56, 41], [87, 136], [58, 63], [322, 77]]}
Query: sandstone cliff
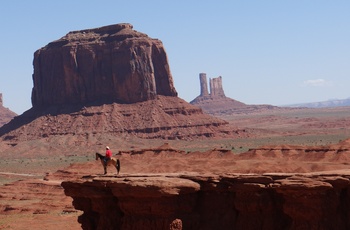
{"points": [[228, 201], [276, 187]]}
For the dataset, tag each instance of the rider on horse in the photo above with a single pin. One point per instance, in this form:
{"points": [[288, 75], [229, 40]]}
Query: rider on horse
{"points": [[108, 159], [108, 154]]}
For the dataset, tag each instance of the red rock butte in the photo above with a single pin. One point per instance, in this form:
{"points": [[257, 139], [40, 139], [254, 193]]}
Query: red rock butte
{"points": [[112, 80], [108, 64]]}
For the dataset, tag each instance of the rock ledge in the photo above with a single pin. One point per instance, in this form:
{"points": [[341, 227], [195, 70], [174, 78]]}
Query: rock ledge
{"points": [[230, 201]]}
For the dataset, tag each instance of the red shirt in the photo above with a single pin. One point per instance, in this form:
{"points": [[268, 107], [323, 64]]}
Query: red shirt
{"points": [[108, 153]]}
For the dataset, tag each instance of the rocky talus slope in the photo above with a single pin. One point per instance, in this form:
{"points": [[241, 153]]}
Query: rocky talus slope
{"points": [[163, 117]]}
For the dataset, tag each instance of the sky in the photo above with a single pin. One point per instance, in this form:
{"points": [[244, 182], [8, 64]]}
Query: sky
{"points": [[267, 51]]}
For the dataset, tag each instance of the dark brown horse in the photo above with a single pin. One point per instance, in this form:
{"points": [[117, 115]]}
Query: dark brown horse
{"points": [[112, 161]]}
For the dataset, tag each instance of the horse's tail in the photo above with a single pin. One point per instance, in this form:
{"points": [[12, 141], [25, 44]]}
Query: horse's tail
{"points": [[118, 165]]}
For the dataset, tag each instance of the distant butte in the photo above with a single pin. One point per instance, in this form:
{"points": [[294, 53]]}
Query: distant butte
{"points": [[215, 102]]}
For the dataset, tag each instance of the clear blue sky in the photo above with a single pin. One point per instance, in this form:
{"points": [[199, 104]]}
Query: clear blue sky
{"points": [[267, 52]]}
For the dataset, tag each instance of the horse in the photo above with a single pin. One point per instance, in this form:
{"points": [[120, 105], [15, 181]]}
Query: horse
{"points": [[112, 161]]}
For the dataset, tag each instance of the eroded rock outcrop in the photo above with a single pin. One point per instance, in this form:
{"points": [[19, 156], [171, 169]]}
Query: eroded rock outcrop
{"points": [[108, 64], [226, 201]]}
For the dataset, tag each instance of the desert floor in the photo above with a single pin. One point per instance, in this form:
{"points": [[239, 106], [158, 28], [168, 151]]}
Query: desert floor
{"points": [[31, 195]]}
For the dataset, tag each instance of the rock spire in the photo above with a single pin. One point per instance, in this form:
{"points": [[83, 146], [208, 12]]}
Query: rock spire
{"points": [[203, 84], [215, 102], [215, 86]]}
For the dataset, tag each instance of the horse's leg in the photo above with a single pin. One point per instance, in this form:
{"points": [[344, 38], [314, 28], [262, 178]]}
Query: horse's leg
{"points": [[117, 165], [107, 162], [104, 164]]}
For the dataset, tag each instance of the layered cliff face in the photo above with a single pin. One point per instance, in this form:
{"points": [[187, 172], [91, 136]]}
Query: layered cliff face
{"points": [[109, 64], [228, 201]]}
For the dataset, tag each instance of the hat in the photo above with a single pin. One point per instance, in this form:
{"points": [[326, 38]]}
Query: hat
{"points": [[107, 147]]}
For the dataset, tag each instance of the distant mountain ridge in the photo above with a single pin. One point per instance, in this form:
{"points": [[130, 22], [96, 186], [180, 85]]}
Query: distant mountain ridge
{"points": [[324, 104]]}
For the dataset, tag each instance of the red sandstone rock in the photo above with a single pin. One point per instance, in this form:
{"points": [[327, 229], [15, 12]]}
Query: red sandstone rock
{"points": [[163, 117], [36, 204], [110, 80], [276, 187], [212, 201], [176, 225], [108, 64], [224, 200]]}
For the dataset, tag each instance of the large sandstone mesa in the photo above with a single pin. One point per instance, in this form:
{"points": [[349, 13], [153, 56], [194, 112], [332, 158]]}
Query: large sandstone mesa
{"points": [[108, 64], [109, 80], [227, 201]]}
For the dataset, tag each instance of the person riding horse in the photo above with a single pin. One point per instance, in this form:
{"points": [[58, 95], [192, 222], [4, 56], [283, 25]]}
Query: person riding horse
{"points": [[108, 154], [108, 159]]}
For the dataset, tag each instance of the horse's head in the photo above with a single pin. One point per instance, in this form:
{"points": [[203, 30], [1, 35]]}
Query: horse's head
{"points": [[97, 156]]}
